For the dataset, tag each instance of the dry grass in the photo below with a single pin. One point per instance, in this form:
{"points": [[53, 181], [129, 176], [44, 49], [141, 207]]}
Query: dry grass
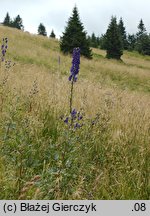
{"points": [[113, 155]]}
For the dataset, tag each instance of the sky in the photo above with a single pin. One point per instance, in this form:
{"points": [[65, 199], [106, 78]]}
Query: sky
{"points": [[95, 14]]}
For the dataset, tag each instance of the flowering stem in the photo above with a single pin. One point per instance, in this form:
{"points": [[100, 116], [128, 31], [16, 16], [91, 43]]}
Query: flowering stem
{"points": [[71, 95], [74, 72]]}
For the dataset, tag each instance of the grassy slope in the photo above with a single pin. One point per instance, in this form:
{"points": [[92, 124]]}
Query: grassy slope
{"points": [[109, 160], [133, 74]]}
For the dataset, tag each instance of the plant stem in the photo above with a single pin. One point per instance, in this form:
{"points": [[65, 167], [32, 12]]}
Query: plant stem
{"points": [[71, 95]]}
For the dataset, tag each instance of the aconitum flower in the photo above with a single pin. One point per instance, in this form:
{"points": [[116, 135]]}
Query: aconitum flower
{"points": [[73, 114], [4, 48], [74, 121], [77, 125], [75, 64], [66, 120]]}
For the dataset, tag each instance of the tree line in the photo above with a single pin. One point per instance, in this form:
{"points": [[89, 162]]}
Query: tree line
{"points": [[116, 34], [17, 22], [114, 41]]}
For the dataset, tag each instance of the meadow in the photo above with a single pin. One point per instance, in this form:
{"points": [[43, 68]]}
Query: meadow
{"points": [[42, 157]]}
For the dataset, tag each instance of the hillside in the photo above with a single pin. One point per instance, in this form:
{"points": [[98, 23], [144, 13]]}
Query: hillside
{"points": [[133, 74], [40, 156]]}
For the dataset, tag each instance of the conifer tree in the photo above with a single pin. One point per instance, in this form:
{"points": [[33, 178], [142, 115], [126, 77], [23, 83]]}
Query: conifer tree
{"points": [[144, 45], [52, 35], [7, 20], [17, 23], [143, 40], [75, 36], [114, 46], [131, 40], [94, 41], [123, 33], [42, 30], [102, 42], [141, 28]]}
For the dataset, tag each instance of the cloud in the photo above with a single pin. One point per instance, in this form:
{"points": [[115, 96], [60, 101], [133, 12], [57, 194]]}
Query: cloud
{"points": [[95, 15]]}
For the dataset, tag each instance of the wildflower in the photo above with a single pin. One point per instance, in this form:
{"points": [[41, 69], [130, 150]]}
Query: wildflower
{"points": [[77, 125], [3, 52], [74, 120], [6, 40], [66, 120], [75, 64], [73, 114], [80, 117], [4, 48]]}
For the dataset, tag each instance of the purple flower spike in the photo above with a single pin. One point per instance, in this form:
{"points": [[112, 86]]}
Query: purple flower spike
{"points": [[4, 48], [75, 64]]}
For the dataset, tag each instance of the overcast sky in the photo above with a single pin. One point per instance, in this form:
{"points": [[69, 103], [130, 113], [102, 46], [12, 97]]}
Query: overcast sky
{"points": [[95, 14]]}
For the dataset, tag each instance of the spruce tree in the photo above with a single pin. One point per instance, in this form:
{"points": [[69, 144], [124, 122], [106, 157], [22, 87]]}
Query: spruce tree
{"points": [[102, 42], [114, 46], [131, 40], [52, 35], [7, 20], [141, 28], [42, 30], [94, 41], [17, 23], [144, 45], [123, 33], [75, 36], [143, 40]]}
